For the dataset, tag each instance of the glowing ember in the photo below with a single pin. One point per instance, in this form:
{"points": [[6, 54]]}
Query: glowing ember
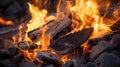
{"points": [[5, 22], [66, 58]]}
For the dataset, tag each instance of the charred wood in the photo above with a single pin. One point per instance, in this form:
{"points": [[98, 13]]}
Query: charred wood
{"points": [[48, 58], [107, 37], [51, 28], [23, 45], [18, 58], [66, 44], [4, 54], [101, 47]]}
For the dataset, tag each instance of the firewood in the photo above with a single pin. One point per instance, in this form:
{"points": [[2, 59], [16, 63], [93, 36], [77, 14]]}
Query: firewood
{"points": [[51, 28], [66, 44], [107, 37], [4, 54], [23, 45], [48, 58]]}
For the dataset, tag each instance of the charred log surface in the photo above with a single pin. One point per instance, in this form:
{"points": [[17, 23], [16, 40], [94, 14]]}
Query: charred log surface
{"points": [[107, 37], [48, 58], [52, 28], [72, 41]]}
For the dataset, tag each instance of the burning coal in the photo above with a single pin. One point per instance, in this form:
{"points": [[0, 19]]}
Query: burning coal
{"points": [[84, 20]]}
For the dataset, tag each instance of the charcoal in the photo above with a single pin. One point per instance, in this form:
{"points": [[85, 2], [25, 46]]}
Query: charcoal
{"points": [[48, 58], [106, 37], [33, 46], [116, 52], [89, 64], [98, 60], [27, 64], [1, 43], [51, 65], [69, 64], [76, 62], [79, 61], [13, 50], [115, 41], [110, 60], [4, 54], [19, 58], [13, 9], [101, 47], [67, 43], [23, 45]]}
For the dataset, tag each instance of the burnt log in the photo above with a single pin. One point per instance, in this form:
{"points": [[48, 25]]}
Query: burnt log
{"points": [[101, 47], [27, 64], [23, 45], [18, 58], [115, 41], [76, 62], [13, 50], [4, 54], [107, 37], [51, 28], [67, 43], [108, 60], [48, 58]]}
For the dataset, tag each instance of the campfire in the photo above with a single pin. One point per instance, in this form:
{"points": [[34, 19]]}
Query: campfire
{"points": [[59, 33]]}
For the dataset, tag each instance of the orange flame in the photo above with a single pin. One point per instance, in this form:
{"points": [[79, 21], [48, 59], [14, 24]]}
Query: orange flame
{"points": [[5, 22], [88, 15], [65, 58]]}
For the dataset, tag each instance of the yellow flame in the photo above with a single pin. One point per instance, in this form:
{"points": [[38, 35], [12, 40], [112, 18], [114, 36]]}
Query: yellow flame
{"points": [[38, 20], [37, 17], [87, 11]]}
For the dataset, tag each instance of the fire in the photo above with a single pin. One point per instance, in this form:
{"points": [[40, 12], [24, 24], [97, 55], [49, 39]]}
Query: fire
{"points": [[84, 13], [88, 15], [44, 41], [37, 17], [5, 22], [65, 58]]}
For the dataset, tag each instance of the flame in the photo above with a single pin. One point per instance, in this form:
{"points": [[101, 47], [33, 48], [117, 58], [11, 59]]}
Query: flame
{"points": [[44, 41], [37, 17], [84, 13], [88, 15], [5, 22], [63, 9]]}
